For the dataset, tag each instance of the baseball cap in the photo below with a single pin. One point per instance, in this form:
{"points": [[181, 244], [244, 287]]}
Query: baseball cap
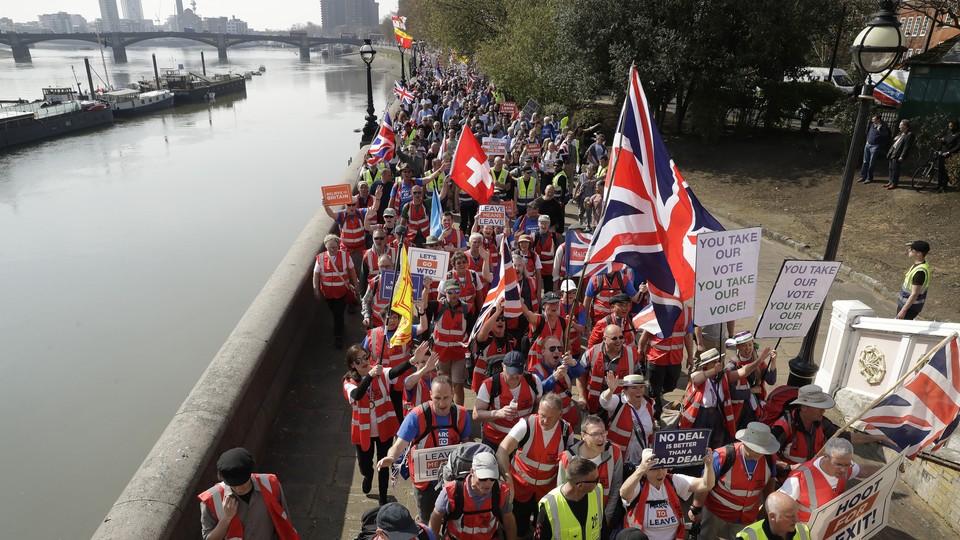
{"points": [[395, 520], [235, 466], [544, 217], [514, 362], [920, 245], [485, 466], [389, 212], [551, 297]]}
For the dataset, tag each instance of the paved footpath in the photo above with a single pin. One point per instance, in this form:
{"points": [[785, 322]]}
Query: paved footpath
{"points": [[312, 455]]}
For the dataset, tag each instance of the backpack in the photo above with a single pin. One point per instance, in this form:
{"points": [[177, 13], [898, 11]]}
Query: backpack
{"points": [[778, 401], [494, 367]]}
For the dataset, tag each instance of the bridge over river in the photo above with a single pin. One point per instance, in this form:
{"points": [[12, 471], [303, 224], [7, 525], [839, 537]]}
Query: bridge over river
{"points": [[119, 41]]}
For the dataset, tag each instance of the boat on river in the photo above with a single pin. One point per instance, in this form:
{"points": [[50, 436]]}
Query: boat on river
{"points": [[60, 112], [131, 102], [189, 86]]}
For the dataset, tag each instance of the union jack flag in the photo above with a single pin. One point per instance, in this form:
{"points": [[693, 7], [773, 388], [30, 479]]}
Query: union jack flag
{"points": [[652, 218], [504, 286], [382, 147], [926, 409], [403, 93], [575, 249]]}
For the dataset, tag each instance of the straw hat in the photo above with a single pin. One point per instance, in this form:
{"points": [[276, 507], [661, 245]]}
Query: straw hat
{"points": [[708, 356]]}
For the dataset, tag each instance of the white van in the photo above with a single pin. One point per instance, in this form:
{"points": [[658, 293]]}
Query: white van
{"points": [[819, 74]]}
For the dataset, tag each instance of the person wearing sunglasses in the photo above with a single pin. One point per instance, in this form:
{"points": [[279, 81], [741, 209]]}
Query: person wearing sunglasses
{"points": [[575, 508], [609, 355], [490, 344], [374, 423], [370, 264], [557, 370], [630, 414], [608, 457]]}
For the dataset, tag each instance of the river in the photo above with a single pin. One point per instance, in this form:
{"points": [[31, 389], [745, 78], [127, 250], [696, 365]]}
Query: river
{"points": [[127, 256]]}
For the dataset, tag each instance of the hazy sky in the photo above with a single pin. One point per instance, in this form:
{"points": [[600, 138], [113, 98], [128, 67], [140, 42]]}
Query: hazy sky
{"points": [[259, 13]]}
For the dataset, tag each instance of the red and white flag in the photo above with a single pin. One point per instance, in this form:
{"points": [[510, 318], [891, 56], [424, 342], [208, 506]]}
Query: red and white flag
{"points": [[470, 169]]}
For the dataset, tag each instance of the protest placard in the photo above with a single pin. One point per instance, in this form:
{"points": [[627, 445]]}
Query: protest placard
{"points": [[531, 107], [511, 208], [427, 462], [796, 298], [533, 150], [680, 447], [492, 214], [429, 263], [492, 146], [862, 511], [337, 194], [576, 245], [727, 263], [509, 109], [389, 277]]}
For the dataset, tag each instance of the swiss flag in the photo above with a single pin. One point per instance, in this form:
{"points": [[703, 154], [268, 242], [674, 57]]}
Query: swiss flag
{"points": [[470, 169]]}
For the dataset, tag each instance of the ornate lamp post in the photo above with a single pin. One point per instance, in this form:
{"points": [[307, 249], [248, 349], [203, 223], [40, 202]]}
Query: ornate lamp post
{"points": [[877, 49], [403, 69], [367, 53]]}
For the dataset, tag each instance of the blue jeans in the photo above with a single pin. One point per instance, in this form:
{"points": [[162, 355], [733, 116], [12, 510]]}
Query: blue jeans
{"points": [[869, 161]]}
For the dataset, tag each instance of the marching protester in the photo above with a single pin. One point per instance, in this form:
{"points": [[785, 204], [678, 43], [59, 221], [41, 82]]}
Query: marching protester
{"points": [[665, 356], [629, 415], [490, 344], [351, 223], [781, 521], [377, 343], [594, 446], [335, 279], [243, 504], [575, 508], [470, 514], [450, 331], [542, 325], [370, 265], [506, 397], [652, 496], [557, 371], [612, 355], [372, 306], [569, 302], [748, 393], [545, 243], [620, 317]]}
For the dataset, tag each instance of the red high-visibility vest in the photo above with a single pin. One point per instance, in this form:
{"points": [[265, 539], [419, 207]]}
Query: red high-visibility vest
{"points": [[382, 353], [637, 513], [477, 522], [374, 406], [798, 446], [455, 239], [418, 221], [535, 465], [495, 346], [736, 496], [430, 439], [576, 347], [693, 400], [469, 285], [545, 246], [815, 490], [377, 305], [611, 459], [621, 425], [546, 329], [334, 276], [269, 490], [450, 332], [605, 287], [625, 324], [496, 429], [597, 373], [668, 350], [419, 395], [352, 234], [493, 247], [562, 388]]}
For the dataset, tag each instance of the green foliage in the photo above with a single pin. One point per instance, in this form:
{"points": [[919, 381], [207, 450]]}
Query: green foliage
{"points": [[784, 100], [556, 110], [586, 117]]}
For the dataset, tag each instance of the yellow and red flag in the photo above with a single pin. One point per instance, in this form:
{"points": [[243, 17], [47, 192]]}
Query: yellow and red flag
{"points": [[404, 39], [402, 302]]}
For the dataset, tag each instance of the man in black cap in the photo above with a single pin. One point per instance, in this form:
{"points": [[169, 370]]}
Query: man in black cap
{"points": [[913, 292], [395, 523], [244, 505]]}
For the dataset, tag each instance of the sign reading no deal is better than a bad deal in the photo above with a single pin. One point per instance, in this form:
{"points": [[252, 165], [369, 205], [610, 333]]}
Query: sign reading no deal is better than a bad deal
{"points": [[727, 263], [492, 214], [797, 297], [429, 263], [427, 462], [680, 448], [337, 194]]}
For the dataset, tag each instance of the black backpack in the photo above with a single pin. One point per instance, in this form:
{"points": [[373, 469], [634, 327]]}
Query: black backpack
{"points": [[456, 469]]}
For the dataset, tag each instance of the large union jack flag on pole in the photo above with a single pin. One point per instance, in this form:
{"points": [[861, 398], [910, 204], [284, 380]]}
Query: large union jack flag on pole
{"points": [[652, 218], [403, 93], [382, 147], [926, 409], [504, 286]]}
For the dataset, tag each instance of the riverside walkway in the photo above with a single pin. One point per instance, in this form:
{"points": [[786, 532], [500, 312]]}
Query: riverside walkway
{"points": [[309, 446]]}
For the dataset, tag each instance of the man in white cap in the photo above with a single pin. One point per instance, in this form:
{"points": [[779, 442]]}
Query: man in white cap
{"points": [[802, 430], [474, 508], [747, 394], [707, 401], [745, 471], [782, 521]]}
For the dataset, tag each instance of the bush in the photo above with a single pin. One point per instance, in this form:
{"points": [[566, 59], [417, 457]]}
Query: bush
{"points": [[586, 117], [791, 99], [556, 110]]}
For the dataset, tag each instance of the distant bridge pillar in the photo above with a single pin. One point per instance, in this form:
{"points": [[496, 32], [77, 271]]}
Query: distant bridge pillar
{"points": [[21, 53], [221, 47], [304, 53], [119, 54]]}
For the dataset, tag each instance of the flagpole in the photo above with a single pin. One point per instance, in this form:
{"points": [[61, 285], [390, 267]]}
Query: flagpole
{"points": [[583, 269], [920, 363]]}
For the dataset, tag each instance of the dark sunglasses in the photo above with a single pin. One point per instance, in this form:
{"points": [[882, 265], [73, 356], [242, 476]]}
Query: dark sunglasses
{"points": [[554, 348], [616, 338]]}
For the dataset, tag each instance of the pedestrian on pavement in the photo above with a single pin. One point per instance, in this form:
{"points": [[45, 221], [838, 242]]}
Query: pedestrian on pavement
{"points": [[781, 521], [913, 292], [878, 136], [951, 145], [465, 508], [575, 508], [335, 280], [899, 151], [242, 504]]}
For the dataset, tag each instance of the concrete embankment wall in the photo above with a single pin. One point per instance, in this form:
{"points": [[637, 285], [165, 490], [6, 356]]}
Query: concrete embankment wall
{"points": [[233, 404]]}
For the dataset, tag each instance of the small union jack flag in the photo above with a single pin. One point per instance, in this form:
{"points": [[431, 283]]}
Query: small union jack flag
{"points": [[403, 93]]}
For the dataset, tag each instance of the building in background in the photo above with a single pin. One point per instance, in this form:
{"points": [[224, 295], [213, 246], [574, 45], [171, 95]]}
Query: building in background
{"points": [[57, 23], [921, 32], [132, 10], [109, 16], [237, 26], [338, 16]]}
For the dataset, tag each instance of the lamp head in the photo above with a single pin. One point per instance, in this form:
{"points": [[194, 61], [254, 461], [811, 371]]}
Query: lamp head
{"points": [[367, 52], [879, 46]]}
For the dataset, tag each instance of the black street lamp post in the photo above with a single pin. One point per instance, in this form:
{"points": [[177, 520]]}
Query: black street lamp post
{"points": [[367, 53], [875, 50], [403, 69]]}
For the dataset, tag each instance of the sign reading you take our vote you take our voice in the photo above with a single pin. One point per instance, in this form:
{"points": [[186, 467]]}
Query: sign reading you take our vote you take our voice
{"points": [[726, 287]]}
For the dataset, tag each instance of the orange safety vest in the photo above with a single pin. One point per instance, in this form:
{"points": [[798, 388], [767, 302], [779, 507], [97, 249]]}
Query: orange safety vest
{"points": [[576, 348], [562, 388], [625, 324], [374, 406], [693, 400], [372, 258], [430, 436], [419, 395], [418, 221], [605, 287], [495, 346], [378, 345], [477, 522], [621, 425], [469, 284], [597, 372], [364, 202], [798, 446], [530, 261], [494, 248], [536, 333], [496, 429], [455, 239], [611, 459], [269, 490], [333, 277], [637, 513], [535, 465], [668, 350], [736, 495], [450, 332], [352, 235], [815, 490], [545, 245], [377, 305]]}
